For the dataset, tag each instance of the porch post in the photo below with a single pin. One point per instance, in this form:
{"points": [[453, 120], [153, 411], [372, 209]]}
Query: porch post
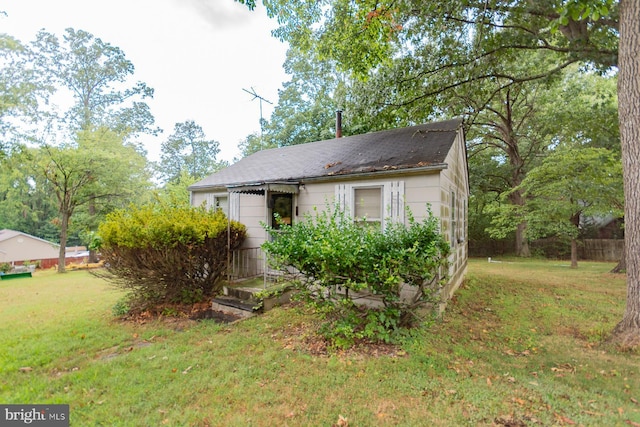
{"points": [[266, 236], [228, 247]]}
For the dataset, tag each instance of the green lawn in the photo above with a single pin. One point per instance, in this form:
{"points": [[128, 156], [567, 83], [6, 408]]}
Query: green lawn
{"points": [[520, 344]]}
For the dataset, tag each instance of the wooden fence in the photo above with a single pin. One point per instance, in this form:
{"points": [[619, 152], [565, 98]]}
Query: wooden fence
{"points": [[602, 249], [554, 248]]}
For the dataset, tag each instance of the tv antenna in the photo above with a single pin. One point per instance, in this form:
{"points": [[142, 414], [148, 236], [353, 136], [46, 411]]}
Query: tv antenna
{"points": [[256, 96]]}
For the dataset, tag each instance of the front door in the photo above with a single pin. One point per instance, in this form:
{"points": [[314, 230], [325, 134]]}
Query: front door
{"points": [[281, 209]]}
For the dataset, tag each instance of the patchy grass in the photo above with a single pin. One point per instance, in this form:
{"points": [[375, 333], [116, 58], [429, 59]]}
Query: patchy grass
{"points": [[522, 343]]}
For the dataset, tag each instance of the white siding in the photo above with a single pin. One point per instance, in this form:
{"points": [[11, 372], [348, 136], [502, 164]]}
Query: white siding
{"points": [[252, 211], [197, 199], [454, 180], [421, 191], [315, 195]]}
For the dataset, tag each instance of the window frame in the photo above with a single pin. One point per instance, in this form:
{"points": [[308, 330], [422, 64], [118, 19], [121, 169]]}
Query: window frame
{"points": [[272, 208], [393, 199], [213, 202], [364, 220], [216, 203]]}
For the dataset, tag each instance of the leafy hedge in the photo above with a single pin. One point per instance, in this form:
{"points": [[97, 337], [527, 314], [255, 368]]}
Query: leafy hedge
{"points": [[340, 263], [162, 253]]}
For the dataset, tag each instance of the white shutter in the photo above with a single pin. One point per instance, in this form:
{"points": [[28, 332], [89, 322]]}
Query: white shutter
{"points": [[394, 197], [210, 201], [343, 196], [234, 206]]}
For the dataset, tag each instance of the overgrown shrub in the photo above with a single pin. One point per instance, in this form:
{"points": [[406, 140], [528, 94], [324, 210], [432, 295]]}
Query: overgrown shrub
{"points": [[340, 263], [163, 254], [5, 267]]}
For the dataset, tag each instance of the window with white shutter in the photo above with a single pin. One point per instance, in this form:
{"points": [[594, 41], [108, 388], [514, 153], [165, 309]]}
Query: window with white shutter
{"points": [[372, 203]]}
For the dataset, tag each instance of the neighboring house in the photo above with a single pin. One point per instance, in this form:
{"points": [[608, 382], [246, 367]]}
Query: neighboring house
{"points": [[374, 175], [17, 247]]}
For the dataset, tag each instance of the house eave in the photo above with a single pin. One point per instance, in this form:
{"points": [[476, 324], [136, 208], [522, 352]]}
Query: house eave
{"points": [[376, 173], [262, 187], [256, 187]]}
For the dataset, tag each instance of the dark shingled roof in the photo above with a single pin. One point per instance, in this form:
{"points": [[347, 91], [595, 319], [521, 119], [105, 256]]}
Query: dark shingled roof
{"points": [[405, 148]]}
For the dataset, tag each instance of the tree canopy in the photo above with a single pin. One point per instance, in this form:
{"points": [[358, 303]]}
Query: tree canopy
{"points": [[188, 150], [97, 170], [571, 184], [96, 74]]}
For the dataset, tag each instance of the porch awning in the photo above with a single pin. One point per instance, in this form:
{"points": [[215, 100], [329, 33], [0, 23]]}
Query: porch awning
{"points": [[262, 187]]}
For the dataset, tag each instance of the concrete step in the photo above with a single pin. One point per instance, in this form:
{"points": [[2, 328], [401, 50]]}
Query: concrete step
{"points": [[235, 302], [245, 294], [244, 299], [233, 306]]}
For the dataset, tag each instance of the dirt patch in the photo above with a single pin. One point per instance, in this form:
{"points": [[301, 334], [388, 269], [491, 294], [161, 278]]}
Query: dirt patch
{"points": [[180, 315], [305, 338]]}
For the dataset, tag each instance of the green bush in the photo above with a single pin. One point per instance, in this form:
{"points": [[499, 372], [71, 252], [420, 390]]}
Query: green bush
{"points": [[5, 267], [121, 308], [341, 262], [162, 253]]}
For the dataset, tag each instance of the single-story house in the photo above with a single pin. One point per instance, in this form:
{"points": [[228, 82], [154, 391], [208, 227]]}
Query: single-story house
{"points": [[374, 175], [17, 247]]}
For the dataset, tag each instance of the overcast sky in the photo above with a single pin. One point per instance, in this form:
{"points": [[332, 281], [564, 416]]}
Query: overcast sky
{"points": [[198, 55]]}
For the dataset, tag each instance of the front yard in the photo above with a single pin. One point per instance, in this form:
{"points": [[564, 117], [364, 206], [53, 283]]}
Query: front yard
{"points": [[520, 344]]}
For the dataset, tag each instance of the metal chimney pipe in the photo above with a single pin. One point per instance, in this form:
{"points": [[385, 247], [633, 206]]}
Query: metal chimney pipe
{"points": [[338, 123]]}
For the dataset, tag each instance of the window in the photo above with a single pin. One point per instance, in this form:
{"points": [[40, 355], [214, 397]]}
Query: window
{"points": [[222, 202], [377, 203], [281, 207], [368, 205]]}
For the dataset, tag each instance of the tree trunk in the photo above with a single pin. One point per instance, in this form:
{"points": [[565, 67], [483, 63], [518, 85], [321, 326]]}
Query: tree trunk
{"points": [[512, 150], [574, 253], [93, 256], [64, 231], [522, 245], [627, 332], [575, 220]]}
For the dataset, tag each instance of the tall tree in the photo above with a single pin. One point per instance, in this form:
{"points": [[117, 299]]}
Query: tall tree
{"points": [[188, 149], [569, 185], [508, 124], [524, 120], [96, 75], [95, 169], [102, 104], [628, 330]]}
